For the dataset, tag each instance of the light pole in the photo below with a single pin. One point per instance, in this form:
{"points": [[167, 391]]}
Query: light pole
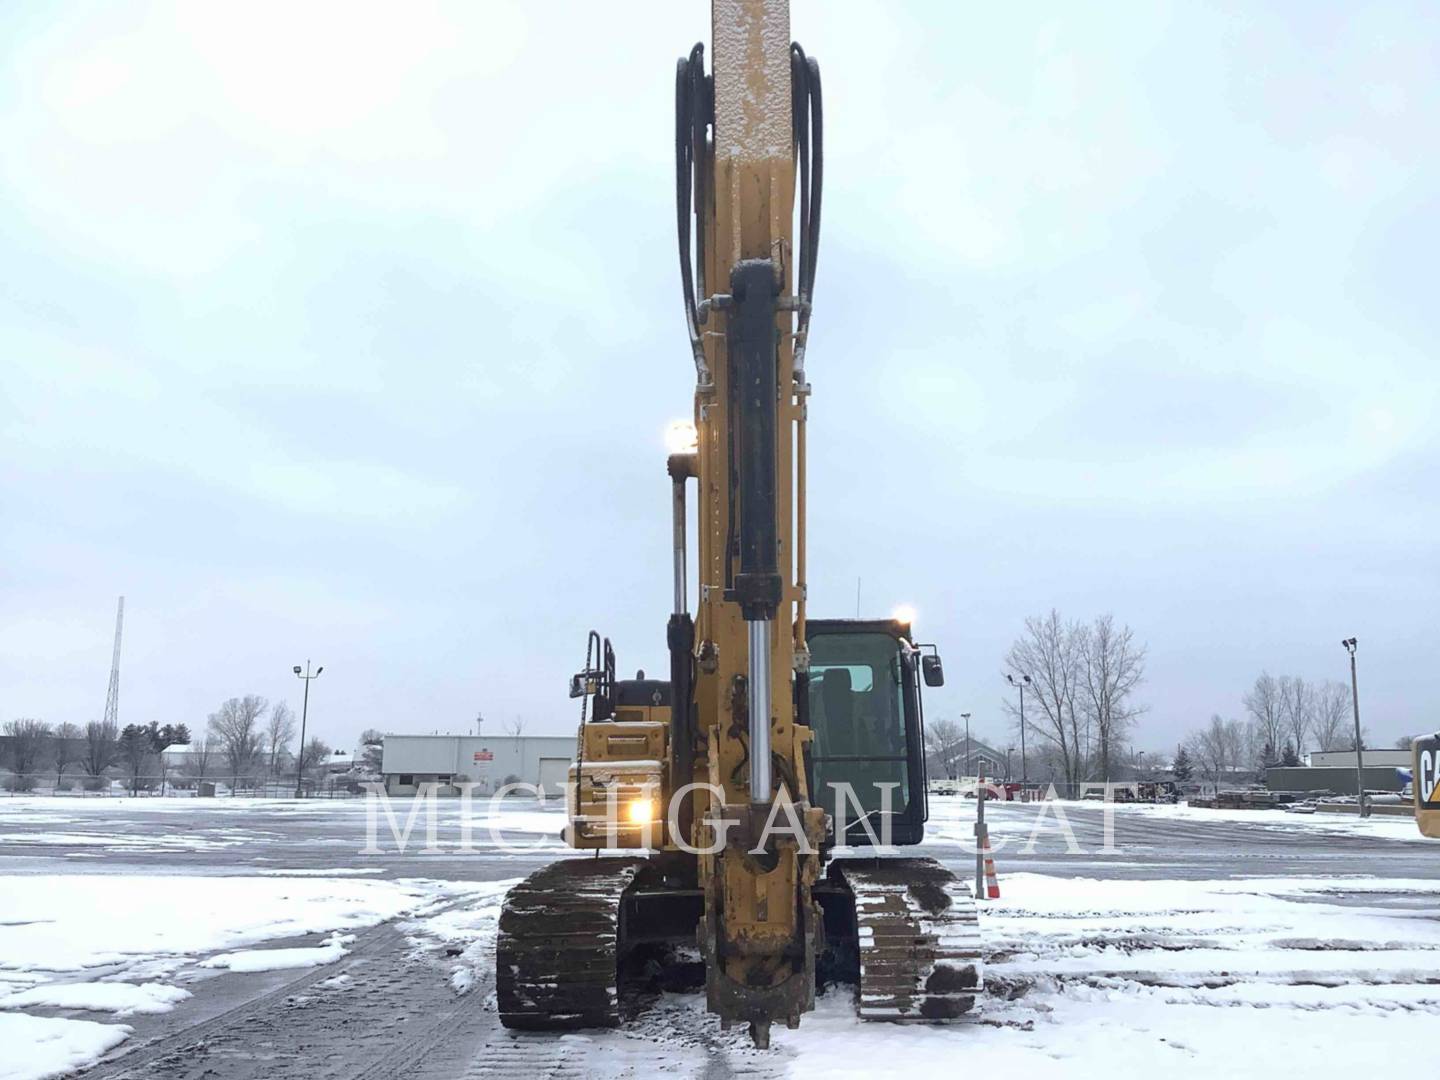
{"points": [[1350, 644], [1020, 684], [304, 714], [1008, 751], [966, 717]]}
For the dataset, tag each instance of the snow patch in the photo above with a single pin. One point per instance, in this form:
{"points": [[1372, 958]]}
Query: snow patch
{"points": [[39, 1046], [249, 960], [122, 999]]}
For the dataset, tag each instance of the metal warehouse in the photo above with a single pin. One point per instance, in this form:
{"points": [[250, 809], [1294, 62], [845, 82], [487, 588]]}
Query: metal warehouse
{"points": [[488, 761], [1345, 759], [1334, 779]]}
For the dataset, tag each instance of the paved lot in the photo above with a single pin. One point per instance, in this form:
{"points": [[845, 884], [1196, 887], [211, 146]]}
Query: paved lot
{"points": [[128, 836]]}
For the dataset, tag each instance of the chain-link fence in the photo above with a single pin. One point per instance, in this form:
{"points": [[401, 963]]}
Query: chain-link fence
{"points": [[112, 785]]}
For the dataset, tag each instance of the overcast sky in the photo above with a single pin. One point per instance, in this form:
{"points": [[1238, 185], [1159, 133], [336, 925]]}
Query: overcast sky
{"points": [[351, 332]]}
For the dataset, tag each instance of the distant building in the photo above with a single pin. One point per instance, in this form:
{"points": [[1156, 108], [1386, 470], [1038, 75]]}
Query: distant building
{"points": [[488, 761], [962, 762], [184, 756], [1333, 779], [1395, 759]]}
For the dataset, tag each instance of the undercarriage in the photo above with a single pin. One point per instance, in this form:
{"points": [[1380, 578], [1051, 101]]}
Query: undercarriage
{"points": [[576, 935]]}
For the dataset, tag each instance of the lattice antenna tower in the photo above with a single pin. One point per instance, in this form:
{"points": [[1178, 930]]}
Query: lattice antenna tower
{"points": [[112, 696]]}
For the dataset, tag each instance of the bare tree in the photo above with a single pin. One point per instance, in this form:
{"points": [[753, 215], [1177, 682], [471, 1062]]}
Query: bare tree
{"points": [[201, 748], [28, 741], [279, 730], [515, 727], [237, 726], [1405, 742], [1111, 665], [1348, 742], [1331, 715], [1048, 652], [945, 741], [100, 747], [1262, 702], [1297, 709], [67, 746], [313, 754], [1218, 749]]}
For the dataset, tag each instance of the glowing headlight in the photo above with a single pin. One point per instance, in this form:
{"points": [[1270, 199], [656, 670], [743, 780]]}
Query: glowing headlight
{"points": [[640, 811], [680, 437]]}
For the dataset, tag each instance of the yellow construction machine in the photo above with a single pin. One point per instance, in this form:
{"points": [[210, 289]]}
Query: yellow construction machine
{"points": [[776, 737]]}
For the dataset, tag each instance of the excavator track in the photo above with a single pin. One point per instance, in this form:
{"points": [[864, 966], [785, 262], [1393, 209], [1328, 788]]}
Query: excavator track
{"points": [[919, 938], [558, 950]]}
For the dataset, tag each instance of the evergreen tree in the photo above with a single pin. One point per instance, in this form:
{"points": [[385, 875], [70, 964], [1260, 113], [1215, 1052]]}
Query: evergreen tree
{"points": [[1182, 768], [1289, 758]]}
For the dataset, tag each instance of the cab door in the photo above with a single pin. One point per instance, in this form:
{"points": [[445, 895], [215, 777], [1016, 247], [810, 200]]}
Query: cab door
{"points": [[866, 763]]}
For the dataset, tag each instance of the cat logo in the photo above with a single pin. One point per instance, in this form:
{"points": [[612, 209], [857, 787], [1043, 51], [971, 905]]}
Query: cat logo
{"points": [[1427, 785], [1427, 772]]}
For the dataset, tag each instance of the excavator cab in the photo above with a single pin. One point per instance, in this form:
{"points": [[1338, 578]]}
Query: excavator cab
{"points": [[866, 765]]}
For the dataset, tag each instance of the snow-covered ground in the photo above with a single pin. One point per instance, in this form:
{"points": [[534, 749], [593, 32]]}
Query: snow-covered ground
{"points": [[1262, 977], [1380, 826], [122, 944], [952, 819], [114, 921]]}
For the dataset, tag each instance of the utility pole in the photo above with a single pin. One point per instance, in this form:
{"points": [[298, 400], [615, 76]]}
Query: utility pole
{"points": [[479, 719], [304, 715], [1021, 683], [1350, 644], [982, 836], [966, 717]]}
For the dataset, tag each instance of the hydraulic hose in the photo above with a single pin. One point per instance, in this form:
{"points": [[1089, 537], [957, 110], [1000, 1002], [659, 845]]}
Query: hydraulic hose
{"points": [[808, 126]]}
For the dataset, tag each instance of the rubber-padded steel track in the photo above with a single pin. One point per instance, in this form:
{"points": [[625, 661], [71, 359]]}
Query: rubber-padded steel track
{"points": [[557, 952], [919, 938]]}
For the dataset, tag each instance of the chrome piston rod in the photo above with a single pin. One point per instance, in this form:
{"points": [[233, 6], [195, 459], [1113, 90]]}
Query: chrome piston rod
{"points": [[758, 699], [678, 520]]}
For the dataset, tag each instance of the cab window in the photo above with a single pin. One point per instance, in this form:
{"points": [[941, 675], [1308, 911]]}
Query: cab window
{"points": [[857, 711]]}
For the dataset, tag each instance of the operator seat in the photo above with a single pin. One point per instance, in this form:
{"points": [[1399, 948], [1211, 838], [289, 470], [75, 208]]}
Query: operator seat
{"points": [[839, 704]]}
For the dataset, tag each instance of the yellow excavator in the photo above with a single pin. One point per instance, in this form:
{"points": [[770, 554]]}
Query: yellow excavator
{"points": [[776, 738]]}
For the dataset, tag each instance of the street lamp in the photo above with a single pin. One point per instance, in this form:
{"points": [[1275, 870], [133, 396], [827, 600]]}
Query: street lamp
{"points": [[1350, 644], [304, 714], [1020, 684], [966, 717]]}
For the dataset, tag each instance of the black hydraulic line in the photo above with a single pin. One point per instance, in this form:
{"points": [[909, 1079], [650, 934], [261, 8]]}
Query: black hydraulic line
{"points": [[808, 126], [753, 342], [680, 637], [693, 109]]}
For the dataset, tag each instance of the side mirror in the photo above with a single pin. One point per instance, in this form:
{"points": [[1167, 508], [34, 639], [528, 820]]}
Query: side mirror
{"points": [[932, 670]]}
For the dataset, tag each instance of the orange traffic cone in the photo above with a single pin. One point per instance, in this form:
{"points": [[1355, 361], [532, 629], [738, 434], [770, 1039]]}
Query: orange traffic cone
{"points": [[992, 884]]}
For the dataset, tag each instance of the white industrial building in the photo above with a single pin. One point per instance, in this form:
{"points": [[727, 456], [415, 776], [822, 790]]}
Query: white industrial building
{"points": [[488, 761]]}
